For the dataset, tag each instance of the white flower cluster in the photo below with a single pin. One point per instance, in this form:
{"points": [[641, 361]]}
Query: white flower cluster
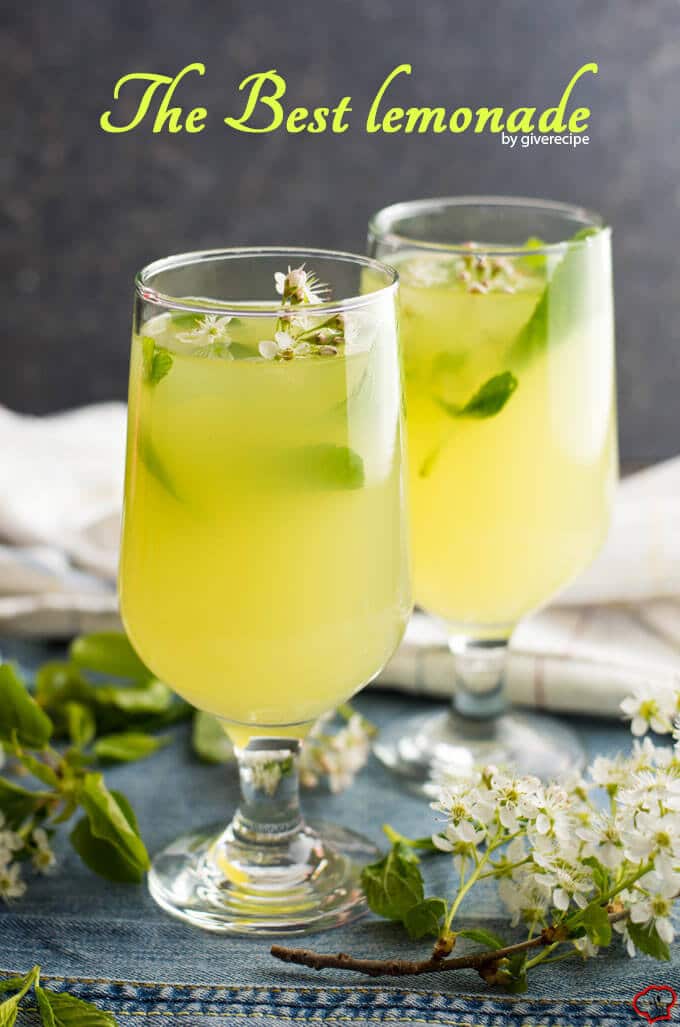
{"points": [[554, 849], [337, 756], [652, 709], [12, 885]]}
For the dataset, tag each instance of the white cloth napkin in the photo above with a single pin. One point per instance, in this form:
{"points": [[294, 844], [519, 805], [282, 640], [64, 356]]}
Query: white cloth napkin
{"points": [[617, 626]]}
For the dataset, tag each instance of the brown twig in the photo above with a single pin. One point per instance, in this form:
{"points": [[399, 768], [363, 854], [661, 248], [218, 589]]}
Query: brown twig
{"points": [[410, 967]]}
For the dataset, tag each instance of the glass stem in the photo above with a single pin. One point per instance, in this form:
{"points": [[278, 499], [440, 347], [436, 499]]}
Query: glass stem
{"points": [[269, 811], [480, 671]]}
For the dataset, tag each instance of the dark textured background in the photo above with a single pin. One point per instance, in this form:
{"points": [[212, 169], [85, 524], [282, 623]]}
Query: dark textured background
{"points": [[83, 210]]}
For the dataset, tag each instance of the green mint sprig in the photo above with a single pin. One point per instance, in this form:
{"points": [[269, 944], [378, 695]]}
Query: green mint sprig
{"points": [[100, 706], [487, 401], [552, 317], [107, 835], [156, 361], [56, 1009], [556, 312]]}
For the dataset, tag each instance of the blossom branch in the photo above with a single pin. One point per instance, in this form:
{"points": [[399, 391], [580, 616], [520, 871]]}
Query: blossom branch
{"points": [[549, 936]]}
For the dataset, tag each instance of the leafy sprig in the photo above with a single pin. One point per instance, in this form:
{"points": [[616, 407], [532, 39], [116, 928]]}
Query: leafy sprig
{"points": [[100, 706], [56, 1009]]}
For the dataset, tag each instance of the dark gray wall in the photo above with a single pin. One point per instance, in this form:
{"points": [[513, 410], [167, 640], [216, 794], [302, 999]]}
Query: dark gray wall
{"points": [[83, 210]]}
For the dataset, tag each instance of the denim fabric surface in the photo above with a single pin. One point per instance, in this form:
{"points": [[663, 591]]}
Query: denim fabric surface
{"points": [[110, 944]]}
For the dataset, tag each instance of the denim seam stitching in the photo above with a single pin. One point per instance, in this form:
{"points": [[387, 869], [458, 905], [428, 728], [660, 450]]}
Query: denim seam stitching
{"points": [[315, 991]]}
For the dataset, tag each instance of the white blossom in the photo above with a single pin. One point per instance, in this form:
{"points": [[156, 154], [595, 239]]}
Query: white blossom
{"points": [[585, 947], [282, 346], [602, 835], [11, 884], [299, 286], [208, 330], [43, 858], [515, 798], [648, 710], [655, 909]]}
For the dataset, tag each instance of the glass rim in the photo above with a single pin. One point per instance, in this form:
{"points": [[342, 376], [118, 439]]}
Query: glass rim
{"points": [[207, 305], [379, 223]]}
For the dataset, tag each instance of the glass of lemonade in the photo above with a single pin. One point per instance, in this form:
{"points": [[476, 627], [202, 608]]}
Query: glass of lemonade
{"points": [[508, 337], [264, 569]]}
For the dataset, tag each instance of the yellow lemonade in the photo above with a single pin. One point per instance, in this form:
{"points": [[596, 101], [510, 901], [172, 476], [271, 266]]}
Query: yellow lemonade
{"points": [[264, 571], [509, 366]]}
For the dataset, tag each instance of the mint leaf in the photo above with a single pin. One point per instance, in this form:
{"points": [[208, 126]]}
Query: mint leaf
{"points": [[491, 397], [209, 740], [534, 260], [127, 746], [156, 361], [20, 715], [486, 938], [645, 938], [111, 820], [487, 401], [558, 310], [154, 464], [59, 1009], [108, 652], [425, 918], [326, 466], [394, 884]]}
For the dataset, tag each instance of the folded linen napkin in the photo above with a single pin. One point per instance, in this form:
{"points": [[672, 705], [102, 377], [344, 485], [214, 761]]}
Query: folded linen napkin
{"points": [[616, 627]]}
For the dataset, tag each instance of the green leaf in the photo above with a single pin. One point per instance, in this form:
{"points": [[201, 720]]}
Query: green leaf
{"points": [[58, 683], [394, 884], [156, 361], [110, 822], [326, 466], [127, 746], [209, 740], [11, 983], [20, 715], [515, 974], [558, 310], [80, 723], [17, 803], [596, 922], [9, 1010], [489, 399], [154, 464], [59, 1009], [534, 260], [486, 938], [425, 918], [10, 1007], [153, 697], [109, 653], [39, 769], [645, 938], [601, 875]]}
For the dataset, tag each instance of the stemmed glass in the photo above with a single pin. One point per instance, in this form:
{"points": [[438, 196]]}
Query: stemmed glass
{"points": [[264, 568], [508, 337]]}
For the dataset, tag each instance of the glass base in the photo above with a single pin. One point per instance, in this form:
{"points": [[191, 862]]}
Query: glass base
{"points": [[311, 883], [430, 749]]}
